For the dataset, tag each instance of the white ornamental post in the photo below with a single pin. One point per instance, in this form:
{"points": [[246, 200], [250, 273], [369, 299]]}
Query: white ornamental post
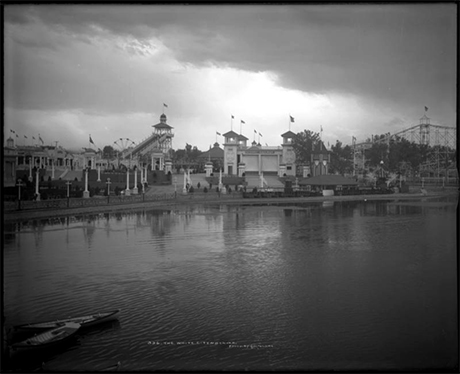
{"points": [[184, 190], [98, 173], [52, 169], [127, 191], [37, 189], [31, 161], [86, 192], [135, 190], [222, 188]]}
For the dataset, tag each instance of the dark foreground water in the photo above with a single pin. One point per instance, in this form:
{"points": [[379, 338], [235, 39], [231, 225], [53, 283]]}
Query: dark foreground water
{"points": [[344, 285]]}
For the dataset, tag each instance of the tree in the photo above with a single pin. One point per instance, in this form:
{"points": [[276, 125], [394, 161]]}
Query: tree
{"points": [[303, 144], [108, 152], [341, 159]]}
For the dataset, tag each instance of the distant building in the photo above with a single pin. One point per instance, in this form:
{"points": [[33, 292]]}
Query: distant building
{"points": [[256, 159], [215, 155]]}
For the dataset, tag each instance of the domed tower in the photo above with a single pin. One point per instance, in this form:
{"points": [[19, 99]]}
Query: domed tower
{"points": [[164, 134]]}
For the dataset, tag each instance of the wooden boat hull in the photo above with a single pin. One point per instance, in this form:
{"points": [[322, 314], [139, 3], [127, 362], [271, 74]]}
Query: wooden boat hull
{"points": [[84, 321], [48, 338]]}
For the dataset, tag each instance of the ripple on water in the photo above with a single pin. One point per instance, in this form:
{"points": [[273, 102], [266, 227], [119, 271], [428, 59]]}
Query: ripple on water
{"points": [[321, 285]]}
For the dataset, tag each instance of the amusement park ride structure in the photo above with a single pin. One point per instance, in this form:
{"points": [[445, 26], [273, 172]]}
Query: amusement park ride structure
{"points": [[156, 146], [442, 139]]}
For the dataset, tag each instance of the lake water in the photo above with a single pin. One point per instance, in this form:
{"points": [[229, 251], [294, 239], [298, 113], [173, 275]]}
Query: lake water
{"points": [[323, 286]]}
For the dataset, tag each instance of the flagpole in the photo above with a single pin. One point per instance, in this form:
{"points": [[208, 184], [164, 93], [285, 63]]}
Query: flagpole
{"points": [[289, 124], [231, 123]]}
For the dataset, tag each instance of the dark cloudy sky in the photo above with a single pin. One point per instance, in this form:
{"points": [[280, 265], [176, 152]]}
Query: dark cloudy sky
{"points": [[106, 70]]}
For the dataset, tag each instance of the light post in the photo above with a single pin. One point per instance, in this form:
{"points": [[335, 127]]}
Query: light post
{"points": [[108, 183], [86, 192], [37, 186], [99, 172], [19, 192], [381, 167], [68, 183]]}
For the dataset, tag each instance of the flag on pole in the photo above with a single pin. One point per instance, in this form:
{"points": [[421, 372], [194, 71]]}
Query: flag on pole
{"points": [[218, 133], [25, 136], [321, 128], [243, 122], [17, 136], [260, 134], [40, 138], [426, 109], [255, 131], [91, 140], [292, 118], [165, 105], [233, 117], [33, 137]]}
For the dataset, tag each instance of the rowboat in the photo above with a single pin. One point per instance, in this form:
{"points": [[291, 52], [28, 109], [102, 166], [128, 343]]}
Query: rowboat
{"points": [[84, 321], [48, 338], [113, 367]]}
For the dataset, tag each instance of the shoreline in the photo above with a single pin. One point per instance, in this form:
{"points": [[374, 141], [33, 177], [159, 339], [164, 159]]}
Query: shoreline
{"points": [[181, 201]]}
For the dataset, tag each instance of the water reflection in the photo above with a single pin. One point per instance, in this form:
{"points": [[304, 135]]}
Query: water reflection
{"points": [[340, 286]]}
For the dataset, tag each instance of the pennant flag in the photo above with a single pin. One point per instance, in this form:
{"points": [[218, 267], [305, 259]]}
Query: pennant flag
{"points": [[260, 134], [243, 122], [218, 133], [233, 117], [39, 137], [11, 130], [33, 137], [255, 131], [17, 136], [25, 136], [292, 118], [266, 144], [91, 140], [426, 108], [165, 105]]}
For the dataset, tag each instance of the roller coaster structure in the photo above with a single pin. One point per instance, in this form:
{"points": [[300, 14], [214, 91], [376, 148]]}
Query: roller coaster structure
{"points": [[442, 139]]}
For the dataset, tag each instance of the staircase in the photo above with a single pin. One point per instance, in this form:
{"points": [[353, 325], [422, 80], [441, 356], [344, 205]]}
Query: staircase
{"points": [[269, 181]]}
